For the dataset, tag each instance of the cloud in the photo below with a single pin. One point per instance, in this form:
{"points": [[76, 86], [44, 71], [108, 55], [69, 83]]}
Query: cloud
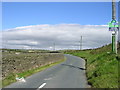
{"points": [[65, 36]]}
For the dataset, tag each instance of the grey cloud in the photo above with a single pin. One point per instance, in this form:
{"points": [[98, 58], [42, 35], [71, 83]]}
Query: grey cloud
{"points": [[63, 35]]}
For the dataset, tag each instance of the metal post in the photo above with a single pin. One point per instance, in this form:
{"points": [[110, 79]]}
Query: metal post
{"points": [[116, 43], [113, 42], [113, 10], [114, 36]]}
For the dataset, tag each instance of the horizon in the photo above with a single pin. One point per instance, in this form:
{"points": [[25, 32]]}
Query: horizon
{"points": [[40, 24]]}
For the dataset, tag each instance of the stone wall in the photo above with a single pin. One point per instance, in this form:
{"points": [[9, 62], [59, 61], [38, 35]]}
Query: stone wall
{"points": [[18, 62]]}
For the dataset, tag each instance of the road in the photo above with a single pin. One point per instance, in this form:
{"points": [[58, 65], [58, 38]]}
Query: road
{"points": [[68, 74]]}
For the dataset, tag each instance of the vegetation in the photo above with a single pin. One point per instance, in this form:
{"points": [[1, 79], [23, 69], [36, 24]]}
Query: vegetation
{"points": [[25, 50], [101, 65], [26, 62], [11, 78]]}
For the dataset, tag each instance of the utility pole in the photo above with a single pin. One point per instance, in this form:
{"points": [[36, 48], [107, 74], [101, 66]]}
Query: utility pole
{"points": [[114, 27], [113, 10], [114, 33], [81, 43], [53, 46]]}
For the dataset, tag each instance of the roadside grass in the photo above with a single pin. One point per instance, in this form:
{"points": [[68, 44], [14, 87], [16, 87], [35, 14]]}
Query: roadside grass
{"points": [[11, 78], [101, 65]]}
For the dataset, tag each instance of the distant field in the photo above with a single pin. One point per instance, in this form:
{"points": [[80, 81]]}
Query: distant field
{"points": [[26, 62], [102, 66]]}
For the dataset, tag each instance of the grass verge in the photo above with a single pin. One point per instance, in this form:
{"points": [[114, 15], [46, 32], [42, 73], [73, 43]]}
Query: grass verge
{"points": [[11, 78], [101, 65]]}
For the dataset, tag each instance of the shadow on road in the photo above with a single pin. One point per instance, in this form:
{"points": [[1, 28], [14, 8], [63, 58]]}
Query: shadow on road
{"points": [[73, 66]]}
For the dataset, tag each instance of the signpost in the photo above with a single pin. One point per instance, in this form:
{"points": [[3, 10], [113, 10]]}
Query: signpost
{"points": [[114, 27], [113, 42]]}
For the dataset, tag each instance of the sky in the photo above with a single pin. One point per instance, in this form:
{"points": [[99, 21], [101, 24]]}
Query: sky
{"points": [[41, 24], [65, 36], [57, 0], [35, 13]]}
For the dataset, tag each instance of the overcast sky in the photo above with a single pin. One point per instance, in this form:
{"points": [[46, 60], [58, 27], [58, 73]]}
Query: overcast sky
{"points": [[65, 36], [41, 24]]}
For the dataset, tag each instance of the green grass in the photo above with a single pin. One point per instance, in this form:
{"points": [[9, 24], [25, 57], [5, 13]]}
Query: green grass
{"points": [[101, 65], [11, 78]]}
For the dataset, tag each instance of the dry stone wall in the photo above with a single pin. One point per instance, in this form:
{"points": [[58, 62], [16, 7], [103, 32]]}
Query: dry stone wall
{"points": [[18, 62]]}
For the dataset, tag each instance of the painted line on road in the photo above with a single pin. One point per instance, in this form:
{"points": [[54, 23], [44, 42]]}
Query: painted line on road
{"points": [[41, 86], [47, 78]]}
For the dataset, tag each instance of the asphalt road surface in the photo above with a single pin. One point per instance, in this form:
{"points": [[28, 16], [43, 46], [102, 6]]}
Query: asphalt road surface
{"points": [[68, 74]]}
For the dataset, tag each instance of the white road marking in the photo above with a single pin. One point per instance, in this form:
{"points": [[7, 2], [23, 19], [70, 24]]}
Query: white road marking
{"points": [[42, 86], [47, 78]]}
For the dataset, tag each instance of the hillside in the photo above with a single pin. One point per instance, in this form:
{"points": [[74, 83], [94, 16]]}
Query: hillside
{"points": [[102, 66]]}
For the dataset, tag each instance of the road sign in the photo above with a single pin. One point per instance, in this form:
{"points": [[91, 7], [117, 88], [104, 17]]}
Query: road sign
{"points": [[113, 26]]}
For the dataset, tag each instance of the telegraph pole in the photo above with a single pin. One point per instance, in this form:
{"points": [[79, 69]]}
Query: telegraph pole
{"points": [[81, 43], [53, 46], [113, 10], [113, 28], [114, 34]]}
